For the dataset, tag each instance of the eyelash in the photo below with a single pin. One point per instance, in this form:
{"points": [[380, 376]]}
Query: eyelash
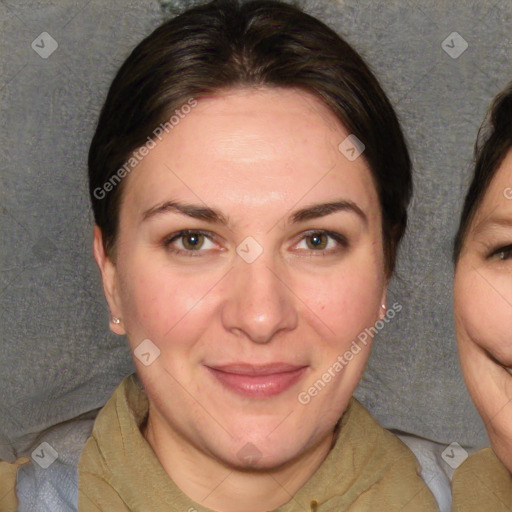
{"points": [[506, 249], [338, 237]]}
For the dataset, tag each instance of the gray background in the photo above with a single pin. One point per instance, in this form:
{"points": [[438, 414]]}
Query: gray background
{"points": [[58, 359]]}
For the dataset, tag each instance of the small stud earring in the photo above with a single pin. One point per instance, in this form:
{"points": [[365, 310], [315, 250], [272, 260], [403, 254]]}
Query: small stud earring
{"points": [[116, 320], [383, 306]]}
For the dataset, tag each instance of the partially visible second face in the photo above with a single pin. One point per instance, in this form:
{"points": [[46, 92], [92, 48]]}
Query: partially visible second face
{"points": [[267, 286], [483, 311]]}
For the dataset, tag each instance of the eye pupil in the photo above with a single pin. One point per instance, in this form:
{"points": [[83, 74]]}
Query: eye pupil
{"points": [[316, 240], [503, 255], [192, 241]]}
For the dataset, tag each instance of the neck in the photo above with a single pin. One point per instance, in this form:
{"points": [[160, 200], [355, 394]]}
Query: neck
{"points": [[224, 489]]}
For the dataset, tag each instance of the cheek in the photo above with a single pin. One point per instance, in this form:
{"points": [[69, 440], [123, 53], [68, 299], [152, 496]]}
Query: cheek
{"points": [[160, 302], [483, 305], [346, 302], [163, 302]]}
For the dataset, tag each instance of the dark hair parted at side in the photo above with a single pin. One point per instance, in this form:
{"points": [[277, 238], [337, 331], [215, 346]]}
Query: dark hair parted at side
{"points": [[260, 43], [492, 145]]}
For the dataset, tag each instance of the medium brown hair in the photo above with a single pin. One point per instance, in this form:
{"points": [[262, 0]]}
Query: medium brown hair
{"points": [[493, 142]]}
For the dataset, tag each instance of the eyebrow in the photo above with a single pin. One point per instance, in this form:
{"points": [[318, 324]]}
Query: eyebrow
{"points": [[215, 216]]}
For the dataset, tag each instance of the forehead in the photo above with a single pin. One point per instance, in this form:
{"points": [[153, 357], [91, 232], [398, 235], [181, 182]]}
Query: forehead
{"points": [[260, 146], [496, 206]]}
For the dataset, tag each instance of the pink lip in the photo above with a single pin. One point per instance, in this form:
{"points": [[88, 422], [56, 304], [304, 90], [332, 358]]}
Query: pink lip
{"points": [[258, 381]]}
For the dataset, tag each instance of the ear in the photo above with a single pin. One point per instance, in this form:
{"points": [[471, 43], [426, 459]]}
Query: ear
{"points": [[109, 277]]}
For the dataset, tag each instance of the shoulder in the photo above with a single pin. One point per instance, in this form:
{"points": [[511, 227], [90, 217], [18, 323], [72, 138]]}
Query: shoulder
{"points": [[369, 435], [102, 455], [385, 465], [8, 472], [482, 482]]}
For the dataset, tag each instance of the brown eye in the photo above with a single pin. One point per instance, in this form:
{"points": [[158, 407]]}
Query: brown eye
{"points": [[189, 242], [502, 253], [324, 242], [192, 241], [318, 241]]}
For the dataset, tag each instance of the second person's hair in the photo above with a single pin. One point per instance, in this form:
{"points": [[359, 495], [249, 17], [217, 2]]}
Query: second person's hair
{"points": [[492, 145]]}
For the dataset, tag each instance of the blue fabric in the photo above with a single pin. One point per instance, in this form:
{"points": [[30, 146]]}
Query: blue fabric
{"points": [[55, 488]]}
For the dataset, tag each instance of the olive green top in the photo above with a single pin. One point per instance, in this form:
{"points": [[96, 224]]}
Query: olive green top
{"points": [[482, 483], [368, 468], [8, 474]]}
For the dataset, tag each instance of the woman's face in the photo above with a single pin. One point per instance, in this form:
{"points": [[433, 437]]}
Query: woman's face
{"points": [[266, 276], [483, 310]]}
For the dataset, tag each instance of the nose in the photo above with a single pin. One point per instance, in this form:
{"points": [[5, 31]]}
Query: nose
{"points": [[259, 303]]}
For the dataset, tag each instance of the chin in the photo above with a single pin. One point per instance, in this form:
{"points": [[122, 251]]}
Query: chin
{"points": [[260, 455], [251, 459]]}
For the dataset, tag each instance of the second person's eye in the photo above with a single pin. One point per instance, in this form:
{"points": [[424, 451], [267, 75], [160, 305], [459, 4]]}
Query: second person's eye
{"points": [[502, 253]]}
